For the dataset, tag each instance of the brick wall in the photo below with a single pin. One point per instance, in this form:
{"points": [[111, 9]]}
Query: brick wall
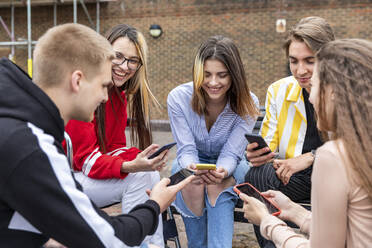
{"points": [[186, 23]]}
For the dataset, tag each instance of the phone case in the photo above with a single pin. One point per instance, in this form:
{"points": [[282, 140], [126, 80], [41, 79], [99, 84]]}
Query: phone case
{"points": [[161, 149], [250, 190], [205, 166], [179, 176]]}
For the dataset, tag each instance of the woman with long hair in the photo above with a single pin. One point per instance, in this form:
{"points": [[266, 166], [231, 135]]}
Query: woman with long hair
{"points": [[108, 170], [341, 195], [209, 118]]}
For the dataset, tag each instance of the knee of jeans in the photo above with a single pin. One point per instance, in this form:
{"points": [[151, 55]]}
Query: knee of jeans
{"points": [[226, 197], [182, 208]]}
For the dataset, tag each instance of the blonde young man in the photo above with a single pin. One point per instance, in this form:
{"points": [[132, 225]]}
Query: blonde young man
{"points": [[39, 198], [289, 126]]}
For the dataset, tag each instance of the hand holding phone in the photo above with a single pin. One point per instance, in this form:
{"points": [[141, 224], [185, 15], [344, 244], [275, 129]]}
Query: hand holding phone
{"points": [[160, 150], [164, 194], [250, 190], [179, 176], [259, 140]]}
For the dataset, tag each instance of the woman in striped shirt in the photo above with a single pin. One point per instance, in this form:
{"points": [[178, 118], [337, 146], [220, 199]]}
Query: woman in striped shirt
{"points": [[209, 118]]}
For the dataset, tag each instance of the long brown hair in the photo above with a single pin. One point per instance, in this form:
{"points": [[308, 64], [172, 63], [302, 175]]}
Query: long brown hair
{"points": [[137, 91], [346, 67], [224, 50]]}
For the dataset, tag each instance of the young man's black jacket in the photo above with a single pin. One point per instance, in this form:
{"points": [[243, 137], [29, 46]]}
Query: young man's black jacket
{"points": [[39, 197]]}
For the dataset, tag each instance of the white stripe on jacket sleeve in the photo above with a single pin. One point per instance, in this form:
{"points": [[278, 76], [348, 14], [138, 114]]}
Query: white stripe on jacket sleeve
{"points": [[104, 231]]}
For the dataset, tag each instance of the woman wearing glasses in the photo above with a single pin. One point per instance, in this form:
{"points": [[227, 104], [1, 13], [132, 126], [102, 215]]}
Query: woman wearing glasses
{"points": [[108, 170]]}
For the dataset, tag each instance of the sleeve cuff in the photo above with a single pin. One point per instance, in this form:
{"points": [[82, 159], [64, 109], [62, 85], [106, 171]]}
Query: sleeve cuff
{"points": [[117, 169], [154, 206], [187, 159], [268, 224], [274, 229], [305, 226], [228, 163]]}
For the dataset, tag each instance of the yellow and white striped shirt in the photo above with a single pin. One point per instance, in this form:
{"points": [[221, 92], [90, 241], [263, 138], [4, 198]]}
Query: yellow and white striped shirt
{"points": [[284, 125]]}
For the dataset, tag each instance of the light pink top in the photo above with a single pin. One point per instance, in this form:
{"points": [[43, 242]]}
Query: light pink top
{"points": [[341, 211]]}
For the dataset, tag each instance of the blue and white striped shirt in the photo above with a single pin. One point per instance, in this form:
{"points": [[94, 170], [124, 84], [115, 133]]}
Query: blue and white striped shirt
{"points": [[225, 141]]}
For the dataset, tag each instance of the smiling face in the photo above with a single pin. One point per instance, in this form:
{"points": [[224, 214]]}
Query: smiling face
{"points": [[124, 48], [217, 80], [301, 63]]}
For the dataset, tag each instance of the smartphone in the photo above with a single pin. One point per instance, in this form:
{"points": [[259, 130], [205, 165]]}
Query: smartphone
{"points": [[259, 140], [161, 149], [179, 176], [249, 190], [206, 166]]}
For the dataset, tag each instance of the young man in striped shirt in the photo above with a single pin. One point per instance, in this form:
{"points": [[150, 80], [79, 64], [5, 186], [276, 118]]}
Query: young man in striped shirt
{"points": [[289, 126]]}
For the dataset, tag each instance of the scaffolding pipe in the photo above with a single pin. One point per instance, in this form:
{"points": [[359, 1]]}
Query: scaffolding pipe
{"points": [[12, 31], [16, 43], [5, 27], [29, 41], [87, 13], [55, 13], [75, 11], [29, 61], [97, 17]]}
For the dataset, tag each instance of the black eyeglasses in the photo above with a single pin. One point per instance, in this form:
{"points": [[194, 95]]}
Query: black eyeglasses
{"points": [[133, 64]]}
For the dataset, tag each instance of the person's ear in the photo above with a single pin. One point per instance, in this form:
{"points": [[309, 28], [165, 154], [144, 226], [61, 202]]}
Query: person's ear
{"points": [[75, 82]]}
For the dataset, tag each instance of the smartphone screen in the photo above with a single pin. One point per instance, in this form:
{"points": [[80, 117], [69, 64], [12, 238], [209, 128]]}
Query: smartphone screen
{"points": [[161, 149], [258, 139], [179, 176], [249, 190]]}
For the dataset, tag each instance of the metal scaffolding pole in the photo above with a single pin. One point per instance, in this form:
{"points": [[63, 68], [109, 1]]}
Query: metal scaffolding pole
{"points": [[97, 17], [16, 43], [75, 11], [12, 33], [87, 13], [55, 13], [29, 41], [13, 43]]}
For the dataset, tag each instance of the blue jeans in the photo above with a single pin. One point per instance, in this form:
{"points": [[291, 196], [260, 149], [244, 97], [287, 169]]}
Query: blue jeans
{"points": [[215, 227]]}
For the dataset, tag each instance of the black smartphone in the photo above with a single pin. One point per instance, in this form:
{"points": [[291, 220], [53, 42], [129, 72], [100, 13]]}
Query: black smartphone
{"points": [[179, 176], [250, 190], [161, 149], [258, 139]]}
